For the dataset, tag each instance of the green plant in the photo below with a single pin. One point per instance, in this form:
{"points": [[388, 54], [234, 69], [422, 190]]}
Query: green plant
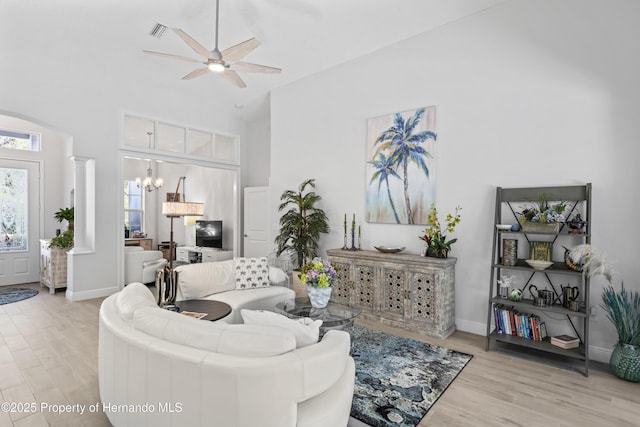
{"points": [[63, 241], [302, 224], [623, 310], [434, 236], [543, 211], [65, 214], [622, 307]]}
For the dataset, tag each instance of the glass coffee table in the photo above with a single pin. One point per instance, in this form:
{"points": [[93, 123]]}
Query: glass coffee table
{"points": [[333, 316]]}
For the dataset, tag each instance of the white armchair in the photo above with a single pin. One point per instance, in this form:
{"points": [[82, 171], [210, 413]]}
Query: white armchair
{"points": [[140, 265]]}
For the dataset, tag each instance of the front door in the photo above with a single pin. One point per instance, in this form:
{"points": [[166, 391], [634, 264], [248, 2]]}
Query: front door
{"points": [[256, 222], [19, 222]]}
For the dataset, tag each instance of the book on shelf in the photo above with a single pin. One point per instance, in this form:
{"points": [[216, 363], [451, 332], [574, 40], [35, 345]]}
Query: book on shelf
{"points": [[565, 341], [509, 321]]}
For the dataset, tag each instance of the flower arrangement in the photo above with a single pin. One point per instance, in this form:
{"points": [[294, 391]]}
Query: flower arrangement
{"points": [[543, 211], [434, 235], [319, 274]]}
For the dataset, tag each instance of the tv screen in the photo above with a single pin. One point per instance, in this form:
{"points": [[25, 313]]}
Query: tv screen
{"points": [[209, 234]]}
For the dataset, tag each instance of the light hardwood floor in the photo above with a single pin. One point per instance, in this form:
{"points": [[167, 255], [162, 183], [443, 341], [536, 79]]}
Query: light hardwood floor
{"points": [[48, 355]]}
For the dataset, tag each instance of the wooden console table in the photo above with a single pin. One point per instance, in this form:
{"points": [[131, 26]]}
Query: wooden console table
{"points": [[408, 291], [147, 244]]}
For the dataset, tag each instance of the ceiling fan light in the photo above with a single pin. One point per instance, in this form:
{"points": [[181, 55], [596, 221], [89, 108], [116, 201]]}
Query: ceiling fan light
{"points": [[216, 67]]}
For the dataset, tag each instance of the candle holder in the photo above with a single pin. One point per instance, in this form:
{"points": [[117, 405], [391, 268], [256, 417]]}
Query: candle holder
{"points": [[353, 239], [345, 247]]}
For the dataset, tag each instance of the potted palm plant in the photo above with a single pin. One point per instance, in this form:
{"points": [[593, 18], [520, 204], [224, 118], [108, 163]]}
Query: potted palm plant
{"points": [[623, 310], [302, 223], [65, 214]]}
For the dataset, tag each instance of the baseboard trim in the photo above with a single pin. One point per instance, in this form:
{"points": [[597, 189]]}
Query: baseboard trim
{"points": [[471, 327], [94, 293], [600, 354]]}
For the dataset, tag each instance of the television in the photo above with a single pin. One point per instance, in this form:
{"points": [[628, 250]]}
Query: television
{"points": [[209, 234]]}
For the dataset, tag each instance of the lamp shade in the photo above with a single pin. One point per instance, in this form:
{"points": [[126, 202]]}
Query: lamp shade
{"points": [[176, 209]]}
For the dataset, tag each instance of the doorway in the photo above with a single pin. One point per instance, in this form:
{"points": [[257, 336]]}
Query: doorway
{"points": [[19, 222]]}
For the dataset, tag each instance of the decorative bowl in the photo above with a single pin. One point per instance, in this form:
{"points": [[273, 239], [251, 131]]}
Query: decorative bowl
{"points": [[503, 226], [538, 264], [390, 249]]}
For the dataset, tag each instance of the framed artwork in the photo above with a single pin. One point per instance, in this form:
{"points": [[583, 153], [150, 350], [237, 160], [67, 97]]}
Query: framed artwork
{"points": [[541, 251], [401, 166]]}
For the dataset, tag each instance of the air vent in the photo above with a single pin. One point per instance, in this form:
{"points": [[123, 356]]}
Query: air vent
{"points": [[158, 31]]}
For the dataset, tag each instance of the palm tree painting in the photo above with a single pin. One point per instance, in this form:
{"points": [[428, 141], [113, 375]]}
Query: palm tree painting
{"points": [[401, 166]]}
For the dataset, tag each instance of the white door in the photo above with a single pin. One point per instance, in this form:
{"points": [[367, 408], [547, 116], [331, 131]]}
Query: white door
{"points": [[19, 222], [257, 239]]}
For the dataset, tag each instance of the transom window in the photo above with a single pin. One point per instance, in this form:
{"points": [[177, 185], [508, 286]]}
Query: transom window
{"points": [[133, 207], [19, 140]]}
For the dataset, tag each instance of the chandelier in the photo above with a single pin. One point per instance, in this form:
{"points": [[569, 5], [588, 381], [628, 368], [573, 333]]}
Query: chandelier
{"points": [[148, 183]]}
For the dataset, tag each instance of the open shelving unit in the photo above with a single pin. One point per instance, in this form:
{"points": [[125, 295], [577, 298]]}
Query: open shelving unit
{"points": [[508, 200]]}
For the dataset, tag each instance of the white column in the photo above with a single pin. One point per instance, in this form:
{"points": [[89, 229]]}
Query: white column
{"points": [[84, 190]]}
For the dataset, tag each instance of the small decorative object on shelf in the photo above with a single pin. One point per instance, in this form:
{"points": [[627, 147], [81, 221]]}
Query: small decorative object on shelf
{"points": [[319, 276], [541, 251], [515, 295], [505, 284], [576, 224], [509, 252], [542, 217], [437, 244]]}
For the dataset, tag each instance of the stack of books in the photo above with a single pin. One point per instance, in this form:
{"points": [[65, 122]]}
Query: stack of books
{"points": [[565, 341], [510, 321]]}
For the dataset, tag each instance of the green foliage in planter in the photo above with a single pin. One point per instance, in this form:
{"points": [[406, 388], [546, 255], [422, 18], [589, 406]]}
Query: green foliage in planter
{"points": [[623, 310], [302, 224], [63, 241], [65, 214]]}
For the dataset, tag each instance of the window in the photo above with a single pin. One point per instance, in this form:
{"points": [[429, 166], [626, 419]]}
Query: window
{"points": [[13, 209], [19, 140], [133, 207]]}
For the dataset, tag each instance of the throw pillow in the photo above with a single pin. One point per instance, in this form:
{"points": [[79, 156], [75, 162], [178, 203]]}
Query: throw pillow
{"points": [[305, 330], [251, 273], [132, 297]]}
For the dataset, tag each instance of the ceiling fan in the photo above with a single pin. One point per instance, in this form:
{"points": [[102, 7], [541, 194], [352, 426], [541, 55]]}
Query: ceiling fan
{"points": [[224, 63]]}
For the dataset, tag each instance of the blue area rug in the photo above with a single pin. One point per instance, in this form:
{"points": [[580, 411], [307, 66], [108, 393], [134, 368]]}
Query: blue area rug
{"points": [[398, 379], [9, 295]]}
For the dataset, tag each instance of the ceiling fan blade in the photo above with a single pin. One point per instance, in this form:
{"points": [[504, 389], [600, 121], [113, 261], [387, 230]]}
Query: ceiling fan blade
{"points": [[193, 44], [239, 51], [247, 67], [170, 56], [233, 77], [197, 73]]}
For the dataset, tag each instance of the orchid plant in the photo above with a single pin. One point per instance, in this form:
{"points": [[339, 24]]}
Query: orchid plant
{"points": [[434, 235]]}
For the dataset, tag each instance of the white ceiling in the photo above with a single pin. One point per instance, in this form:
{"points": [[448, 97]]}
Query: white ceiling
{"points": [[300, 36]]}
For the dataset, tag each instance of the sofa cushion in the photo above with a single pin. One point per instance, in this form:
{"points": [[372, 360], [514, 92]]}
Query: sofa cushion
{"points": [[252, 299], [133, 296], [235, 340], [305, 330], [202, 279], [276, 275], [251, 273]]}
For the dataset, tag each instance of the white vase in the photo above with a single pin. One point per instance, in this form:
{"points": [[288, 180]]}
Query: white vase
{"points": [[319, 297]]}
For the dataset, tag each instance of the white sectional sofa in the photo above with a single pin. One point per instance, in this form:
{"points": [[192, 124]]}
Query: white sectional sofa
{"points": [[192, 372], [217, 281]]}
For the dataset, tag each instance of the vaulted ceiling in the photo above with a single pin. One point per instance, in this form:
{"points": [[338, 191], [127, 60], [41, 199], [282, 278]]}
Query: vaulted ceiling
{"points": [[300, 36]]}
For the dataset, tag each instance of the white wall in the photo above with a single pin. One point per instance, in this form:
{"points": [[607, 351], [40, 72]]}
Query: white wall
{"points": [[85, 96], [528, 94]]}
